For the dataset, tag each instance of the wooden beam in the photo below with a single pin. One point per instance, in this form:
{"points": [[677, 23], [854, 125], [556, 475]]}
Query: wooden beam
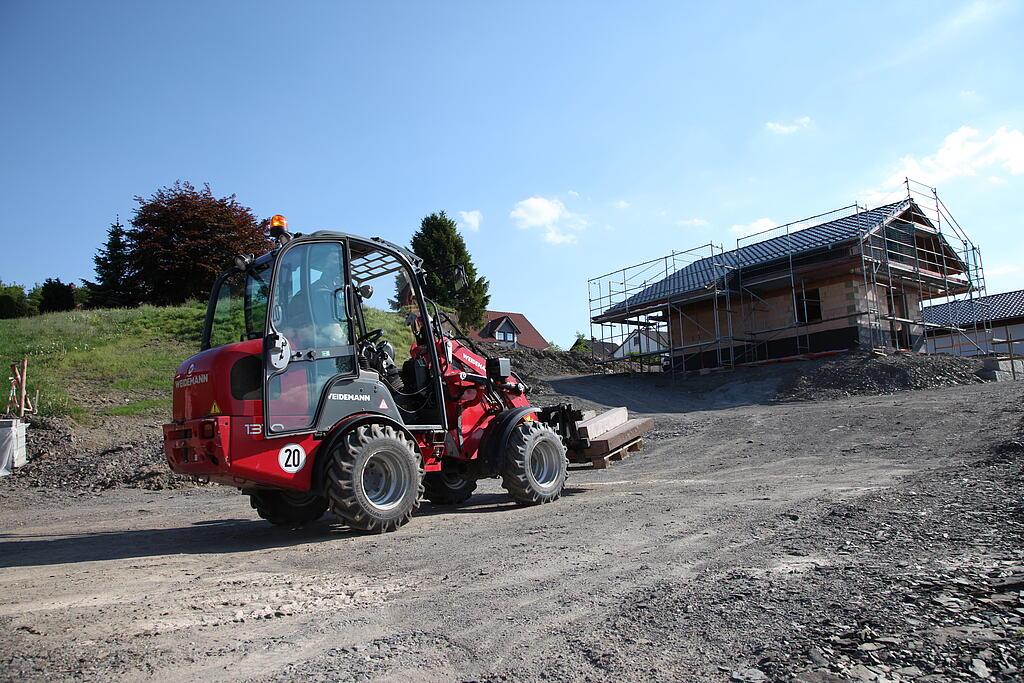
{"points": [[622, 434], [599, 424]]}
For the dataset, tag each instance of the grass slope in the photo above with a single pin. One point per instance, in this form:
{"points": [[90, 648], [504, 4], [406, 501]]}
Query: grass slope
{"points": [[121, 361]]}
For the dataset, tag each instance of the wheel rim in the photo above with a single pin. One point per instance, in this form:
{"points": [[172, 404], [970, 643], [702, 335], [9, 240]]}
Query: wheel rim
{"points": [[385, 480], [546, 463]]}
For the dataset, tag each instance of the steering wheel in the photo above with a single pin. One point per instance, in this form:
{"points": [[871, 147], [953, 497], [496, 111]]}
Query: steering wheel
{"points": [[370, 337]]}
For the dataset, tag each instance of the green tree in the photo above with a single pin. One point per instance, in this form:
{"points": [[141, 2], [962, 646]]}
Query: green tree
{"points": [[56, 296], [34, 298], [183, 237], [13, 302], [82, 296], [442, 249], [113, 287], [402, 292]]}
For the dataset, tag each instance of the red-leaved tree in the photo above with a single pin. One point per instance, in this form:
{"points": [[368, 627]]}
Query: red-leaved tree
{"points": [[183, 237]]}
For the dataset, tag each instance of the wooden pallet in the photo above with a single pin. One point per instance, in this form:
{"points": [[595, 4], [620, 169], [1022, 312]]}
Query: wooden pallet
{"points": [[606, 436], [600, 462]]}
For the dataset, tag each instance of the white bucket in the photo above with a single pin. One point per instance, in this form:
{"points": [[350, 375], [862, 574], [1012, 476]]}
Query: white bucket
{"points": [[12, 445]]}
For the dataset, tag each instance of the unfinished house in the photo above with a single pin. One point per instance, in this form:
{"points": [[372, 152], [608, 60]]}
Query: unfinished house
{"points": [[853, 278]]}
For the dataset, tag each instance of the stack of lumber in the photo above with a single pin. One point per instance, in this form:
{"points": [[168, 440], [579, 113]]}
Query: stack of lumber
{"points": [[611, 435]]}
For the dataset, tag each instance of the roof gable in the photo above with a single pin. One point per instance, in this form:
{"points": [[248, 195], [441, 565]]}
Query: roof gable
{"points": [[526, 333]]}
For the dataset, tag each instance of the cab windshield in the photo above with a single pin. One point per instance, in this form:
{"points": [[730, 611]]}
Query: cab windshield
{"points": [[240, 307]]}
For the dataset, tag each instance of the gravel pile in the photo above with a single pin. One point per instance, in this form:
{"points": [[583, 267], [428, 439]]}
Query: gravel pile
{"points": [[856, 374], [58, 459]]}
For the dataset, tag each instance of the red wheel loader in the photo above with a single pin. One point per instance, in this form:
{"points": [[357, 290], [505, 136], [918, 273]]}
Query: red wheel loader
{"points": [[296, 401]]}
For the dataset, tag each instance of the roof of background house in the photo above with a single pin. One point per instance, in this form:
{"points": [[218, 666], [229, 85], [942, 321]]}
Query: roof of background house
{"points": [[701, 274], [527, 334], [600, 349], [603, 349], [1004, 306]]}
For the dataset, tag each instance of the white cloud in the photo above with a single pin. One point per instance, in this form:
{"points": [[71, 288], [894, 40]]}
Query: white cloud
{"points": [[692, 222], [968, 94], [471, 220], [550, 215], [963, 153], [574, 194], [621, 204], [789, 128], [760, 225]]}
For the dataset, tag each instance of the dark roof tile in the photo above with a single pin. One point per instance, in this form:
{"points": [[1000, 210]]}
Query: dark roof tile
{"points": [[1004, 306]]}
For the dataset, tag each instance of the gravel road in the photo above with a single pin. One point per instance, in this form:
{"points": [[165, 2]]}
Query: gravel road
{"points": [[864, 538]]}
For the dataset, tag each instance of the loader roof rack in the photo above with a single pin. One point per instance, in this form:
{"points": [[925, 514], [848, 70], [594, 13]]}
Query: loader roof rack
{"points": [[373, 257]]}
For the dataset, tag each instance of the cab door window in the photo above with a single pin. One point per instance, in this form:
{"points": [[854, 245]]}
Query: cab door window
{"points": [[310, 311], [227, 323]]}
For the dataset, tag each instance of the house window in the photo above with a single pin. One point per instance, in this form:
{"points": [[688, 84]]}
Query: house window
{"points": [[808, 305], [506, 336]]}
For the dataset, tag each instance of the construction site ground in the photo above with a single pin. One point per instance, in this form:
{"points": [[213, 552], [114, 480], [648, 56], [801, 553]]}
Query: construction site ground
{"points": [[774, 528]]}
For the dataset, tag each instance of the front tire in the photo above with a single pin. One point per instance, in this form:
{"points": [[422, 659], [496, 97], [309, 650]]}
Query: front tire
{"points": [[287, 508], [374, 478], [447, 487], [535, 464]]}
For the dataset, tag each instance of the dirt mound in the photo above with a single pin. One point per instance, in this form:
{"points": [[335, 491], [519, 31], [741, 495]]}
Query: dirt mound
{"points": [[867, 374], [530, 363], [60, 456]]}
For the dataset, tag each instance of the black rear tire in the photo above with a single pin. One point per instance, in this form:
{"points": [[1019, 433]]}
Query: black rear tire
{"points": [[535, 464], [287, 507], [447, 487], [374, 478]]}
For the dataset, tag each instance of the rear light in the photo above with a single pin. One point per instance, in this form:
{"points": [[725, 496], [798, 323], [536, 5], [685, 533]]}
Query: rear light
{"points": [[207, 429]]}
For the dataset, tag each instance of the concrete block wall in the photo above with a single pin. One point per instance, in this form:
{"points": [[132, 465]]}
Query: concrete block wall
{"points": [[840, 304]]}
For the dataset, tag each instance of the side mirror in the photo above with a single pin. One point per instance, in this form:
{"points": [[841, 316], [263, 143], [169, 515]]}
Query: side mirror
{"points": [[278, 351], [365, 292]]}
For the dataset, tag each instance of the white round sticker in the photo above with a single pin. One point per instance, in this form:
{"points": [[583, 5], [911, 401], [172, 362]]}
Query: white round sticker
{"points": [[291, 458]]}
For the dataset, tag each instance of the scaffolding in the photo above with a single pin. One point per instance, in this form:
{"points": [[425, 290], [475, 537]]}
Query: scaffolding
{"points": [[646, 315], [641, 336]]}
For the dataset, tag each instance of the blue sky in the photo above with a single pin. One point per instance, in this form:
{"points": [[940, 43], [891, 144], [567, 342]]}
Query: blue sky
{"points": [[573, 137]]}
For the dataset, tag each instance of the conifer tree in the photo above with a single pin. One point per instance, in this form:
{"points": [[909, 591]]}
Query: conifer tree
{"points": [[443, 250], [113, 287]]}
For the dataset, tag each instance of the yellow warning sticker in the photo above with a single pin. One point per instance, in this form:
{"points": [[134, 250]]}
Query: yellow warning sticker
{"points": [[214, 409]]}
